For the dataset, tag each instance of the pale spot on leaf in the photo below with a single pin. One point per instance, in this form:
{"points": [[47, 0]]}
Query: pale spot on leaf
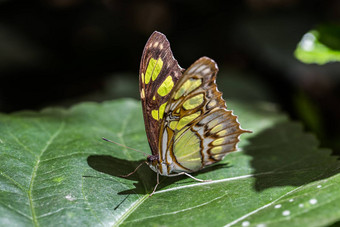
{"points": [[313, 201], [58, 179], [261, 225], [245, 223], [286, 213], [70, 198]]}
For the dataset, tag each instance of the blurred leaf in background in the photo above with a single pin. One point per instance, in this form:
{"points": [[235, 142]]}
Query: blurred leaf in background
{"points": [[320, 46]]}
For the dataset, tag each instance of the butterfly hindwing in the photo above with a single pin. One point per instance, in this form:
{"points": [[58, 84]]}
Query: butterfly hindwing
{"points": [[158, 74], [197, 129]]}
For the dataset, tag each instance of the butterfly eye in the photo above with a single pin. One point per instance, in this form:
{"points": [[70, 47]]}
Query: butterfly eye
{"points": [[151, 159]]}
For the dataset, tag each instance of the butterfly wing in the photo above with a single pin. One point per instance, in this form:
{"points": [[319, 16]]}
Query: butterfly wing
{"points": [[197, 129], [158, 74]]}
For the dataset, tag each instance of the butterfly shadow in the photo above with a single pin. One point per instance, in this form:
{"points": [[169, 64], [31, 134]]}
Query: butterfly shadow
{"points": [[285, 155], [145, 177]]}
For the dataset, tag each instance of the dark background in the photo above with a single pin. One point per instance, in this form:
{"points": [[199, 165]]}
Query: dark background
{"points": [[61, 52]]}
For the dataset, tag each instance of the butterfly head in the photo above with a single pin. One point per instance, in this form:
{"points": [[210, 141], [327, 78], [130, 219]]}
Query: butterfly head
{"points": [[152, 161]]}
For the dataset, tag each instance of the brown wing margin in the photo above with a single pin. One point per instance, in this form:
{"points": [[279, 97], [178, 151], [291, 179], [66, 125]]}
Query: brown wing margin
{"points": [[156, 47]]}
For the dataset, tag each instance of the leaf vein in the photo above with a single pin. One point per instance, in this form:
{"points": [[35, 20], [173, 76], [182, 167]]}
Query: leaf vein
{"points": [[132, 208], [35, 169], [179, 211], [88, 203], [227, 179], [260, 208], [17, 211], [14, 182], [21, 144]]}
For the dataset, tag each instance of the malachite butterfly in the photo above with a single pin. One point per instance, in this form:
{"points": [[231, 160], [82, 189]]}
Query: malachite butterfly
{"points": [[186, 120]]}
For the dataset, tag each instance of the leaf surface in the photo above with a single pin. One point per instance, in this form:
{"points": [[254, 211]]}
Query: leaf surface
{"points": [[56, 171]]}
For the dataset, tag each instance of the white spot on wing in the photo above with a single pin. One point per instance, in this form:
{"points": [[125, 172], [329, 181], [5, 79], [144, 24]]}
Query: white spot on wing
{"points": [[164, 143], [142, 94], [193, 69], [200, 68], [155, 44], [291, 200], [161, 46], [301, 205], [206, 71], [277, 206], [319, 186]]}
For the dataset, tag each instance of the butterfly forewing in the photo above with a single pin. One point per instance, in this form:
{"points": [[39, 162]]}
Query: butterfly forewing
{"points": [[158, 74], [197, 129]]}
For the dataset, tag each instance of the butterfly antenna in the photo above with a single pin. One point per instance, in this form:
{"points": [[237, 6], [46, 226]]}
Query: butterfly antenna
{"points": [[124, 146]]}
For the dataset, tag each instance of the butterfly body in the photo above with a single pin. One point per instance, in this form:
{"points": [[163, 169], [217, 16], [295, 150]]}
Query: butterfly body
{"points": [[186, 120]]}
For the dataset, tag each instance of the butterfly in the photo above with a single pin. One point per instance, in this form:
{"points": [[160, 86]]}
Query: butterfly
{"points": [[186, 119]]}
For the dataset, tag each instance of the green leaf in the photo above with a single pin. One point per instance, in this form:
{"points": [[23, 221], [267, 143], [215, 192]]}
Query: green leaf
{"points": [[320, 46], [56, 171], [309, 113]]}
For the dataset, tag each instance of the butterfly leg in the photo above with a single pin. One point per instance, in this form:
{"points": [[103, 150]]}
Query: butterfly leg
{"points": [[133, 171], [154, 190], [187, 174]]}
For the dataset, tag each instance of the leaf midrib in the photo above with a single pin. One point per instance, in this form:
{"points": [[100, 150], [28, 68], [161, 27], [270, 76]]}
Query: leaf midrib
{"points": [[141, 200], [34, 173], [228, 179], [178, 211]]}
